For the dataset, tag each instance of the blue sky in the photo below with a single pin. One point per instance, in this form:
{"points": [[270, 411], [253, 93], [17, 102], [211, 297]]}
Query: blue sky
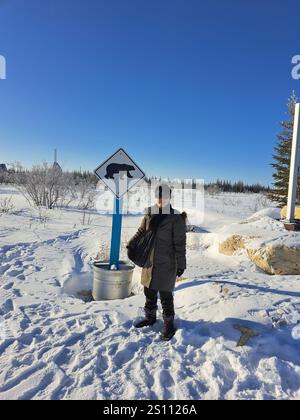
{"points": [[189, 88]]}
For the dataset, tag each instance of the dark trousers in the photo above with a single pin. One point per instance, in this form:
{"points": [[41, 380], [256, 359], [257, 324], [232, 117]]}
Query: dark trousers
{"points": [[167, 302]]}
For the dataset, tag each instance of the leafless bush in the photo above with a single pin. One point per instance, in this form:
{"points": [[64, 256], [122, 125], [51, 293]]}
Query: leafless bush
{"points": [[43, 216], [261, 201], [4, 177], [6, 205], [103, 253], [86, 194], [213, 189], [86, 218], [44, 185]]}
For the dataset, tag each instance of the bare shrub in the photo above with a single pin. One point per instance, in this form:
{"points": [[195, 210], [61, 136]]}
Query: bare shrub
{"points": [[213, 189], [6, 205], [104, 252], [43, 216], [44, 185], [86, 194], [261, 201], [4, 176]]}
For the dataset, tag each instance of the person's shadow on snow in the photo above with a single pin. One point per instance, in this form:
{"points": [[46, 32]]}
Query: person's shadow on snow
{"points": [[248, 286], [266, 342]]}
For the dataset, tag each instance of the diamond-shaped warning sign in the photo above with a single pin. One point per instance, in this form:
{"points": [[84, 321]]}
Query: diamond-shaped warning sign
{"points": [[120, 173]]}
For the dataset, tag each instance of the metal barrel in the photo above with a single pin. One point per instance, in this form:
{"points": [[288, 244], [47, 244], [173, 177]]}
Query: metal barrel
{"points": [[112, 284]]}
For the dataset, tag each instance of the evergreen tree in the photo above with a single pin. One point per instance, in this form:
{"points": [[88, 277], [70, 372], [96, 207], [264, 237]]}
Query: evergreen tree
{"points": [[282, 157]]}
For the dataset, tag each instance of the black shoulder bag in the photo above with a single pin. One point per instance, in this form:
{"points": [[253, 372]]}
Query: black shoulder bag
{"points": [[140, 248]]}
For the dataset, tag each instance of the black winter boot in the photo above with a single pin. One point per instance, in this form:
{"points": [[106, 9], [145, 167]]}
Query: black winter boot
{"points": [[168, 329], [150, 319]]}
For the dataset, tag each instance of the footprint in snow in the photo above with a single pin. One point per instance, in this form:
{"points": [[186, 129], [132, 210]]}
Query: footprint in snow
{"points": [[4, 268], [8, 286], [14, 272], [125, 355], [164, 383]]}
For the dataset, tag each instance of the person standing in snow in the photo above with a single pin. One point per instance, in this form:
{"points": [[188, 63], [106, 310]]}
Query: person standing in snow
{"points": [[166, 260]]}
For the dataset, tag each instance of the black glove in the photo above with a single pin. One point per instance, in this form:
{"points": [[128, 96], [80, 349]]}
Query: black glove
{"points": [[180, 271]]}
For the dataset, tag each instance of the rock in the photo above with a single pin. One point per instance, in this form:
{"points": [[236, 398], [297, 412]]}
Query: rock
{"points": [[273, 258], [284, 209], [232, 244], [276, 259], [246, 334]]}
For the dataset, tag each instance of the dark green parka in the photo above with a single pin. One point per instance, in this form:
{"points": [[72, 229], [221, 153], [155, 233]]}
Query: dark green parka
{"points": [[168, 253]]}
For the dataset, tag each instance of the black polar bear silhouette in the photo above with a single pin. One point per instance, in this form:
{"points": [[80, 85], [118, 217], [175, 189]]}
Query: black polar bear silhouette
{"points": [[115, 168]]}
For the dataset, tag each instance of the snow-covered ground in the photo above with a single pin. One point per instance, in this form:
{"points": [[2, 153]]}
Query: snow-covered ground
{"points": [[56, 344]]}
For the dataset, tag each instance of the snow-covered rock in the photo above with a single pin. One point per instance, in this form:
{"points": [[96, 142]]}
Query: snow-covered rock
{"points": [[232, 244], [276, 259], [235, 243], [272, 248], [279, 255], [272, 212]]}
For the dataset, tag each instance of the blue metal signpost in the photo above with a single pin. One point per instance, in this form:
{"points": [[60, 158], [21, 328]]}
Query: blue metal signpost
{"points": [[116, 234], [119, 173]]}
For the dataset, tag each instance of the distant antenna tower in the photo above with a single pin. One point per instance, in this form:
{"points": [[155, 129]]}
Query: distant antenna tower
{"points": [[56, 165]]}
